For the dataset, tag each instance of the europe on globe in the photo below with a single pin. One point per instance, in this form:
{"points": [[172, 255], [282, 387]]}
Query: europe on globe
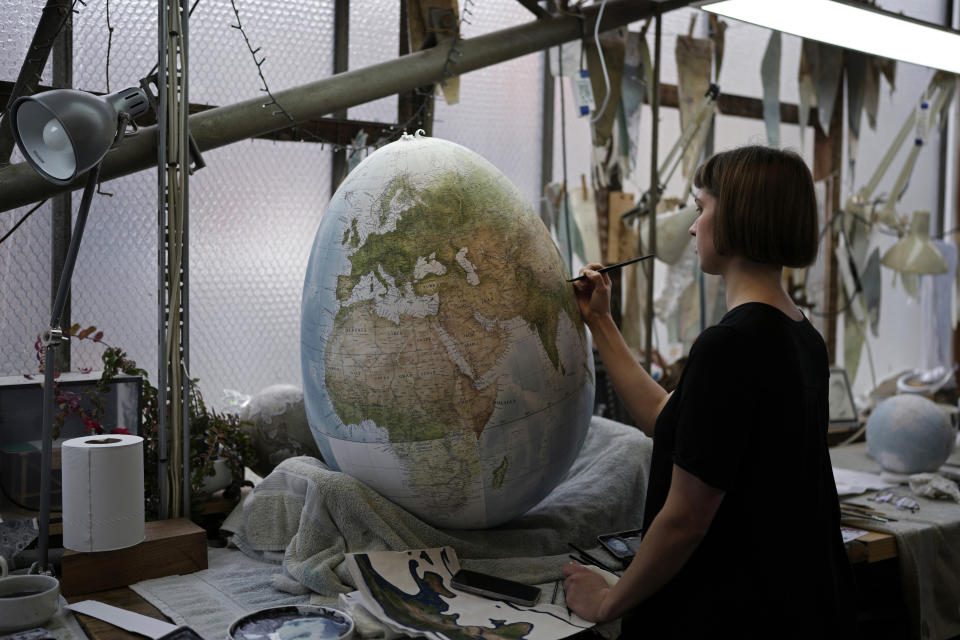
{"points": [[444, 360]]}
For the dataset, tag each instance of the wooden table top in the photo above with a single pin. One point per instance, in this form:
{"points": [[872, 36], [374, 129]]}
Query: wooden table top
{"points": [[872, 547]]}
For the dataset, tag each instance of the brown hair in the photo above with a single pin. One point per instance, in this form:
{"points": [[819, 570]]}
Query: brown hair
{"points": [[766, 209]]}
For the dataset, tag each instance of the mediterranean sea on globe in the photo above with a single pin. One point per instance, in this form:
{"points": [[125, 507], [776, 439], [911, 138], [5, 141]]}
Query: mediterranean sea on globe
{"points": [[445, 363]]}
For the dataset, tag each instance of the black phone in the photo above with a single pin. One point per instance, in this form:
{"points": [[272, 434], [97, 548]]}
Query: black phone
{"points": [[489, 586], [623, 544]]}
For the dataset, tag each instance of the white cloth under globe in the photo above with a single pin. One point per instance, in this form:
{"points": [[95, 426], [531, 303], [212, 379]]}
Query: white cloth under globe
{"points": [[909, 434], [444, 360]]}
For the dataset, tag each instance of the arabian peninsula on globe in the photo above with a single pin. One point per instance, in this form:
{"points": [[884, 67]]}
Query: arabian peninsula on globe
{"points": [[444, 360]]}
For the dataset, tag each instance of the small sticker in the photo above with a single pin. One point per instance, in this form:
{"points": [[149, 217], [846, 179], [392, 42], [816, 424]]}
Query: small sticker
{"points": [[583, 93]]}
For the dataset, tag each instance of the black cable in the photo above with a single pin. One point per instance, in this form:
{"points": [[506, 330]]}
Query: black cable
{"points": [[21, 221]]}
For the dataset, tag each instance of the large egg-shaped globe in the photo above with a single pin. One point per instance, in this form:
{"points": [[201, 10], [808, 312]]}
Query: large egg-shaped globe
{"points": [[909, 434], [444, 360]]}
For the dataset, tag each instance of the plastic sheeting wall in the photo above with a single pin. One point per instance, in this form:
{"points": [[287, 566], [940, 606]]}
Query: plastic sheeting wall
{"points": [[255, 208]]}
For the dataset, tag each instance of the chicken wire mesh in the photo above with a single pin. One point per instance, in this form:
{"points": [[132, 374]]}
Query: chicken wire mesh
{"points": [[255, 208]]}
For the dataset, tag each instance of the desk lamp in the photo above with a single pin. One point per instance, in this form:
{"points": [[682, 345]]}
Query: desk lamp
{"points": [[915, 252], [63, 133]]}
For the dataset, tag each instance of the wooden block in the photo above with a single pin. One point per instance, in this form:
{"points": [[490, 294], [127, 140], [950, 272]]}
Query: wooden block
{"points": [[171, 547]]}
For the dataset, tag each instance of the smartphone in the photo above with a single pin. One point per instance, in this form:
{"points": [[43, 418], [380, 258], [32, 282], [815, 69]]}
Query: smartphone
{"points": [[488, 586], [623, 544]]}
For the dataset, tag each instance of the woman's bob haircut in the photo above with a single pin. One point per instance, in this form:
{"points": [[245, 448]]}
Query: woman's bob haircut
{"points": [[766, 210]]}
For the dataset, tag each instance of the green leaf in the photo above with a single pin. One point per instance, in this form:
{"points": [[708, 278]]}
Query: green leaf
{"points": [[73, 330]]}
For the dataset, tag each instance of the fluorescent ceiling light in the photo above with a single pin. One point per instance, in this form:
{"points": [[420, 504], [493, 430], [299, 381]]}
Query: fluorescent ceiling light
{"points": [[852, 26]]}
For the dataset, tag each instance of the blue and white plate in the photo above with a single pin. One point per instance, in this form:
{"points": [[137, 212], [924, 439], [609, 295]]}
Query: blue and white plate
{"points": [[302, 622]]}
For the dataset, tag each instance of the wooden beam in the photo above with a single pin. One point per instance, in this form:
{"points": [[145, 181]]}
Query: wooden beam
{"points": [[739, 106]]}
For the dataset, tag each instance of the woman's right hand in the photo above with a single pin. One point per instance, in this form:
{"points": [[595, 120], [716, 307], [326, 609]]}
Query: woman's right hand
{"points": [[593, 293]]}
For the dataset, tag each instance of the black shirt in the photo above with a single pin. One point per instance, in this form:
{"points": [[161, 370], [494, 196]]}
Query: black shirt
{"points": [[749, 416]]}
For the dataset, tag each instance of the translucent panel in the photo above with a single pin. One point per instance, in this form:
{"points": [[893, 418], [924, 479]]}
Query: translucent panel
{"points": [[24, 288], [133, 47], [500, 112], [16, 32], [296, 39], [374, 38], [115, 280], [254, 212]]}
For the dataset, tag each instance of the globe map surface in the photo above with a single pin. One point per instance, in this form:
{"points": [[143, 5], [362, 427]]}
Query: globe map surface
{"points": [[444, 360]]}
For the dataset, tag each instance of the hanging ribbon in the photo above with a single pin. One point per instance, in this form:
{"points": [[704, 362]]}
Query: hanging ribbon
{"points": [[770, 74]]}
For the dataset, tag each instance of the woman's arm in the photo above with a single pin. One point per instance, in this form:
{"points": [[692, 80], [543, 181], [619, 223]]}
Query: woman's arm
{"points": [[670, 541], [640, 393]]}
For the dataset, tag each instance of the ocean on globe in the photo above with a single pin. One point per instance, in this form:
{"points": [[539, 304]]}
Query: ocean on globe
{"points": [[909, 434], [445, 363]]}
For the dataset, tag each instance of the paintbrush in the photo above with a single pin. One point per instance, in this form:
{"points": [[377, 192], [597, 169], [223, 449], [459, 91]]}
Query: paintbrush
{"points": [[614, 266]]}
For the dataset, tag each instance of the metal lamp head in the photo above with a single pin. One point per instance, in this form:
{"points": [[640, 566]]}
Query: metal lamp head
{"points": [[673, 233], [62, 133], [915, 252]]}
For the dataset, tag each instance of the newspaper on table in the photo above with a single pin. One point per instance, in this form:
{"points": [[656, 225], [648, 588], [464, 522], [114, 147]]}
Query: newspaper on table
{"points": [[410, 593]]}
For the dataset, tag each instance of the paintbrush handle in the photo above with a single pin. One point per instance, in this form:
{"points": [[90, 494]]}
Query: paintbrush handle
{"points": [[614, 266]]}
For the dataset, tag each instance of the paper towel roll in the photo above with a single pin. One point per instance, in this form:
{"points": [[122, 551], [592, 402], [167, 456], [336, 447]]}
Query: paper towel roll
{"points": [[102, 492]]}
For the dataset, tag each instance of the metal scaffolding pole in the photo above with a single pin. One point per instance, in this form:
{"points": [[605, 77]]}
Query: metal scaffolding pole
{"points": [[19, 185]]}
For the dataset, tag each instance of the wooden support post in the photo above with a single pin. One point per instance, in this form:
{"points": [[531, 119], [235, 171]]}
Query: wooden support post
{"points": [[827, 166]]}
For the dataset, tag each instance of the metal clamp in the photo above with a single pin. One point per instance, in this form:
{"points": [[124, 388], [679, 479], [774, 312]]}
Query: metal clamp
{"points": [[52, 336]]}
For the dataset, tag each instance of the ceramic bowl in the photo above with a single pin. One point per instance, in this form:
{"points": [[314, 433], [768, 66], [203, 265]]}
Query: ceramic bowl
{"points": [[27, 601], [304, 622]]}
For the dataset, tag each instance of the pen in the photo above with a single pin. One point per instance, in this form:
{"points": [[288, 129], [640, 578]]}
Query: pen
{"points": [[614, 266]]}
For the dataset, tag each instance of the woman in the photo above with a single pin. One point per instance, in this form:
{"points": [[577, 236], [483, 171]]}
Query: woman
{"points": [[741, 521]]}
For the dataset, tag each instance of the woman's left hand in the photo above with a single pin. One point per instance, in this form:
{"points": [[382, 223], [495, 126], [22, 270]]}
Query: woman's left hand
{"points": [[585, 591]]}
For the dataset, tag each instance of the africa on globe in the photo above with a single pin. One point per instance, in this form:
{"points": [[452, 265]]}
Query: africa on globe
{"points": [[444, 360]]}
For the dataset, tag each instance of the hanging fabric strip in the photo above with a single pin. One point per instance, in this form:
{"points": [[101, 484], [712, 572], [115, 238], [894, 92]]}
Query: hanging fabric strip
{"points": [[872, 288], [694, 58], [826, 77], [871, 91], [633, 91], [770, 75], [808, 93], [856, 64], [717, 30]]}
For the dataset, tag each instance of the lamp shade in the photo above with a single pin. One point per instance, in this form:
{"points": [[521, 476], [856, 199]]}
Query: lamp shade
{"points": [[63, 132], [915, 252], [673, 233]]}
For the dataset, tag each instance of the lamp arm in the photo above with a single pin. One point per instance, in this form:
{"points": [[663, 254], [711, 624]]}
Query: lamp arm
{"points": [[686, 136], [946, 88], [939, 102], [52, 337]]}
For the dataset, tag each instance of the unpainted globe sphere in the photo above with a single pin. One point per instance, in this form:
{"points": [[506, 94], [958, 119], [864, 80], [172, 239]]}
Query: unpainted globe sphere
{"points": [[276, 421], [909, 434]]}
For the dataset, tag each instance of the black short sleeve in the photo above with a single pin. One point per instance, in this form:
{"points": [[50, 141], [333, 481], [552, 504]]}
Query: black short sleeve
{"points": [[712, 418]]}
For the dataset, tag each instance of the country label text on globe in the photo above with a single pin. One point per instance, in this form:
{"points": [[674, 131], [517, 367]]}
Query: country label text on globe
{"points": [[444, 360]]}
